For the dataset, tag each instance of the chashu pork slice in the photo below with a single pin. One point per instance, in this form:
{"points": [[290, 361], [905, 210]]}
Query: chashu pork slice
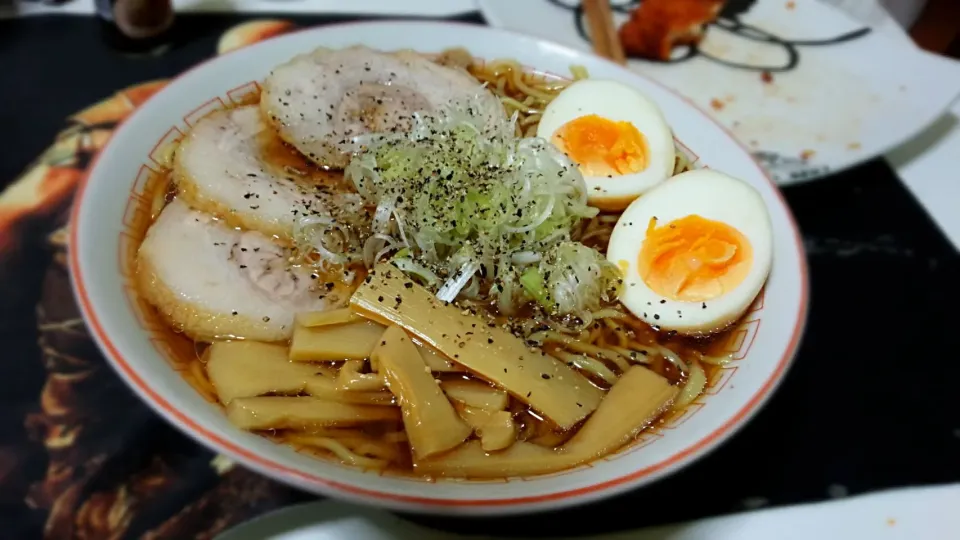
{"points": [[232, 165], [320, 101], [213, 281]]}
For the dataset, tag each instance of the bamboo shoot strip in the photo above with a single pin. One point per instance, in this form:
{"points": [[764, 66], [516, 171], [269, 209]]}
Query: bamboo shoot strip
{"points": [[430, 420], [638, 398], [499, 432], [247, 369], [536, 379], [436, 361], [350, 341], [241, 369], [352, 380], [301, 413], [476, 394], [326, 318]]}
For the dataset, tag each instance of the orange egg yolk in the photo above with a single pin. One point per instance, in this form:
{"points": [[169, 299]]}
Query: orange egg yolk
{"points": [[693, 259], [602, 147]]}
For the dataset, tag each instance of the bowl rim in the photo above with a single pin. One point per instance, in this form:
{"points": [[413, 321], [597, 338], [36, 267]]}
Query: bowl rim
{"points": [[270, 468]]}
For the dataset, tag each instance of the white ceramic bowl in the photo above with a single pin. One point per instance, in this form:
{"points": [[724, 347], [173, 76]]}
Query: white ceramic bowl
{"points": [[105, 229]]}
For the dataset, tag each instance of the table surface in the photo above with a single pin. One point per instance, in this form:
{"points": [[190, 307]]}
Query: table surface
{"points": [[868, 404]]}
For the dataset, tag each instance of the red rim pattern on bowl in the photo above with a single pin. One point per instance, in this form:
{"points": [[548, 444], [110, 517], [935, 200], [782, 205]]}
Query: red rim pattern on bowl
{"points": [[742, 339]]}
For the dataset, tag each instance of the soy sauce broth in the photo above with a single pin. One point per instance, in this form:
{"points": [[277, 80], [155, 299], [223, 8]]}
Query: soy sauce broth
{"points": [[188, 357]]}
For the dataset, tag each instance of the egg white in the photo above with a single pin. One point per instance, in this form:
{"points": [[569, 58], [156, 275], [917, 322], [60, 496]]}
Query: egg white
{"points": [[711, 195], [620, 103]]}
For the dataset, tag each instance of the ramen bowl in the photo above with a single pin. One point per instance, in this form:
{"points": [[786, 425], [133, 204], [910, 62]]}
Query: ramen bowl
{"points": [[111, 211]]}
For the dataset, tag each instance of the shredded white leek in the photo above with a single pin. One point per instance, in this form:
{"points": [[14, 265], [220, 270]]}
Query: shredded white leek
{"points": [[476, 210]]}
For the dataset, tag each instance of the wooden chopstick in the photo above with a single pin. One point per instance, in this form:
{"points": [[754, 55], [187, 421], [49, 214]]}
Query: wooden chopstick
{"points": [[603, 31]]}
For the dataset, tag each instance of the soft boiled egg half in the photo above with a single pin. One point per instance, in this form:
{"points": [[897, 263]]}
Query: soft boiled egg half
{"points": [[618, 138], [695, 252]]}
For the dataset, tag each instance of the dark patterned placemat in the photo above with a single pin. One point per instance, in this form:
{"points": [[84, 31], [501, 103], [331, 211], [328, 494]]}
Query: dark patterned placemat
{"points": [[869, 404]]}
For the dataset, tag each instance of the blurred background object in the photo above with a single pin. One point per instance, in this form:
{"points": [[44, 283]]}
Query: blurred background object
{"points": [[136, 26], [937, 27], [905, 12]]}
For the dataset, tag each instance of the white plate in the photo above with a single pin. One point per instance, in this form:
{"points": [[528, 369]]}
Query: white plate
{"points": [[903, 514], [841, 93], [107, 224], [407, 8]]}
